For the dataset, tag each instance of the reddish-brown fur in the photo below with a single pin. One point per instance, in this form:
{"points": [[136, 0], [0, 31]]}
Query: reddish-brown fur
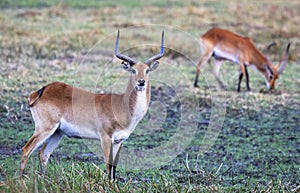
{"points": [[226, 45], [61, 110]]}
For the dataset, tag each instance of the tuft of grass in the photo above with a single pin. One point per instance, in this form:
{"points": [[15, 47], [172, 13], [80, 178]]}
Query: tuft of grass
{"points": [[85, 177]]}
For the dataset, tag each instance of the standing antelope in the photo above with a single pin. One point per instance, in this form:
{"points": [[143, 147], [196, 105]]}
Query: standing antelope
{"points": [[225, 45], [61, 110]]}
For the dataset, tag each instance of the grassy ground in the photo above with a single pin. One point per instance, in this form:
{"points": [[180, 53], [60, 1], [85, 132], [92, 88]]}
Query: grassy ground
{"points": [[251, 144]]}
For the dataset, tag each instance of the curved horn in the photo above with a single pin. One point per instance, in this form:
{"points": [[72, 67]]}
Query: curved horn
{"points": [[266, 50], [284, 62], [122, 56], [161, 54]]}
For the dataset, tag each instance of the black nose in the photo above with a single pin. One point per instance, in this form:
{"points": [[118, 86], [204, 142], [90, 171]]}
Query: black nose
{"points": [[141, 82]]}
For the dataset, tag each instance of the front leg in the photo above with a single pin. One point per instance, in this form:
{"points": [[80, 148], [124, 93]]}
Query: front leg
{"points": [[243, 71], [111, 152], [116, 153], [247, 78], [106, 143], [239, 82], [108, 169]]}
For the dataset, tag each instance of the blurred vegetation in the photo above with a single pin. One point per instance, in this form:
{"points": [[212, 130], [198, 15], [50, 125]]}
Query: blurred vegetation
{"points": [[86, 4]]}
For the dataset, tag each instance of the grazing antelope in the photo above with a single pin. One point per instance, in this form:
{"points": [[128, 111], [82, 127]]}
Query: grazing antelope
{"points": [[61, 110], [225, 45]]}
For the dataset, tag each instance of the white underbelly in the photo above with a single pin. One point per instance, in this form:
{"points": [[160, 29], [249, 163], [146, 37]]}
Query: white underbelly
{"points": [[227, 56], [79, 131]]}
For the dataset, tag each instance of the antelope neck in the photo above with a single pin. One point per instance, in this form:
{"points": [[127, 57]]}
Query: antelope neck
{"points": [[137, 102]]}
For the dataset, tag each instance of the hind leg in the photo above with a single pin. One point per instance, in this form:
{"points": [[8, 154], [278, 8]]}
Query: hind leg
{"points": [[37, 139], [204, 59], [218, 63], [48, 148]]}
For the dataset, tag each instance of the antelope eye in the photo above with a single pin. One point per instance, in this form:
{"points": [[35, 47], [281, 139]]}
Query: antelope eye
{"points": [[133, 71], [147, 71], [271, 77]]}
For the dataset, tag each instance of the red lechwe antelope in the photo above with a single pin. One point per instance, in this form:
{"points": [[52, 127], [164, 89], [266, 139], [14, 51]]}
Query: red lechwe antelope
{"points": [[61, 110], [225, 45]]}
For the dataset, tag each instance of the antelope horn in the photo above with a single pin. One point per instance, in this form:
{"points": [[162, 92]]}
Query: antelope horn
{"points": [[284, 62], [266, 50], [158, 56], [122, 56]]}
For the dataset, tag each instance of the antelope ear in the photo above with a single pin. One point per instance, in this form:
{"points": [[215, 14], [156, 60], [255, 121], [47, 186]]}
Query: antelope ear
{"points": [[126, 66], [153, 66], [268, 69]]}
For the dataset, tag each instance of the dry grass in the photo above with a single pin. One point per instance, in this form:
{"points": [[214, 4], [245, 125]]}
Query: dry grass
{"points": [[60, 43]]}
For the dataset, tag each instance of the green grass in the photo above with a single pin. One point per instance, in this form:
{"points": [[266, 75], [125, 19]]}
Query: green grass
{"points": [[257, 147]]}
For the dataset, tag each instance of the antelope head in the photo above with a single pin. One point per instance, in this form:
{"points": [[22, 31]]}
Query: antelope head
{"points": [[139, 71], [272, 72]]}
